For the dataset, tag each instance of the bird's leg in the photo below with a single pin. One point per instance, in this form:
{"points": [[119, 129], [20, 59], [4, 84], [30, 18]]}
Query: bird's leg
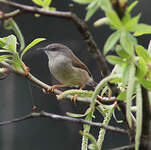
{"points": [[75, 96], [51, 89]]}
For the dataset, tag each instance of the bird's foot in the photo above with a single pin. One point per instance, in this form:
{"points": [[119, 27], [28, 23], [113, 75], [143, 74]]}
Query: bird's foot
{"points": [[34, 108], [74, 98], [52, 88]]}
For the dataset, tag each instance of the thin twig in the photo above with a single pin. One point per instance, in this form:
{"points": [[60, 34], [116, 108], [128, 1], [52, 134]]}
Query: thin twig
{"points": [[80, 24], [66, 118], [11, 14], [128, 147], [43, 85]]}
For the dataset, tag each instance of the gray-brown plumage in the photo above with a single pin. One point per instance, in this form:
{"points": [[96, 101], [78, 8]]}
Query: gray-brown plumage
{"points": [[66, 67]]}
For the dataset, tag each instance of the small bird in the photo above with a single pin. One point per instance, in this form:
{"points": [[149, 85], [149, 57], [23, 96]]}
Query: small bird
{"points": [[66, 67]]}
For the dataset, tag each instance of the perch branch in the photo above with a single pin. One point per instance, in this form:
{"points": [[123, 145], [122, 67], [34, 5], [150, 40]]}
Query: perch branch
{"points": [[66, 118], [80, 24], [43, 85]]}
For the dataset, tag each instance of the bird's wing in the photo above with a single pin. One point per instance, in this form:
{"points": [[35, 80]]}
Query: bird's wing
{"points": [[78, 63]]}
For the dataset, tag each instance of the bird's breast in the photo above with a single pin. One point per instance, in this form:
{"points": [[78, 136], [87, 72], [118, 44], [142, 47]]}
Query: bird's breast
{"points": [[64, 71], [60, 67]]}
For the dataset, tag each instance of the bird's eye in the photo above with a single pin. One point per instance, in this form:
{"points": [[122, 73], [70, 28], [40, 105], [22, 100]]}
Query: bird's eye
{"points": [[54, 49]]}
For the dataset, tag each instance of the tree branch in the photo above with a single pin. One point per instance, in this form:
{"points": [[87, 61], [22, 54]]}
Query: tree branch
{"points": [[80, 24], [43, 85], [129, 147], [66, 118]]}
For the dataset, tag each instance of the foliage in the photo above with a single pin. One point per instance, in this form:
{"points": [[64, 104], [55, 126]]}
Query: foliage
{"points": [[45, 4], [132, 61], [132, 65]]}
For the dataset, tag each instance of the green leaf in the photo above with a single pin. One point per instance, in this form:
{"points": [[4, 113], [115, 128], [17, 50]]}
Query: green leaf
{"points": [[92, 4], [91, 147], [38, 2], [101, 22], [18, 33], [36, 41], [2, 42], [115, 81], [146, 83], [7, 26], [142, 52], [91, 9], [10, 24], [111, 41], [114, 59], [47, 2], [3, 57], [139, 113], [83, 1], [122, 96], [52, 8], [141, 68], [11, 43], [16, 62], [131, 24], [130, 8], [133, 39], [114, 19], [127, 43], [5, 51], [121, 52], [105, 5], [127, 15], [141, 29]]}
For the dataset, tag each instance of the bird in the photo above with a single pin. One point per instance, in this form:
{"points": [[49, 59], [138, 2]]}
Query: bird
{"points": [[67, 68]]}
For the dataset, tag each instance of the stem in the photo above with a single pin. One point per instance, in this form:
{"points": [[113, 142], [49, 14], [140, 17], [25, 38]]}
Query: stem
{"points": [[102, 131], [59, 117], [99, 87], [17, 31]]}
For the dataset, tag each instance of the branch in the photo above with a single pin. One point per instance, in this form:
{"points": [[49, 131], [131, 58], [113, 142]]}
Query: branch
{"points": [[43, 85], [80, 24], [10, 15], [66, 118], [129, 147]]}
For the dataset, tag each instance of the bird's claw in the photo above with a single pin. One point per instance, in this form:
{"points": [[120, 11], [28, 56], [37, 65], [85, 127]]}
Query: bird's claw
{"points": [[50, 89], [74, 98]]}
